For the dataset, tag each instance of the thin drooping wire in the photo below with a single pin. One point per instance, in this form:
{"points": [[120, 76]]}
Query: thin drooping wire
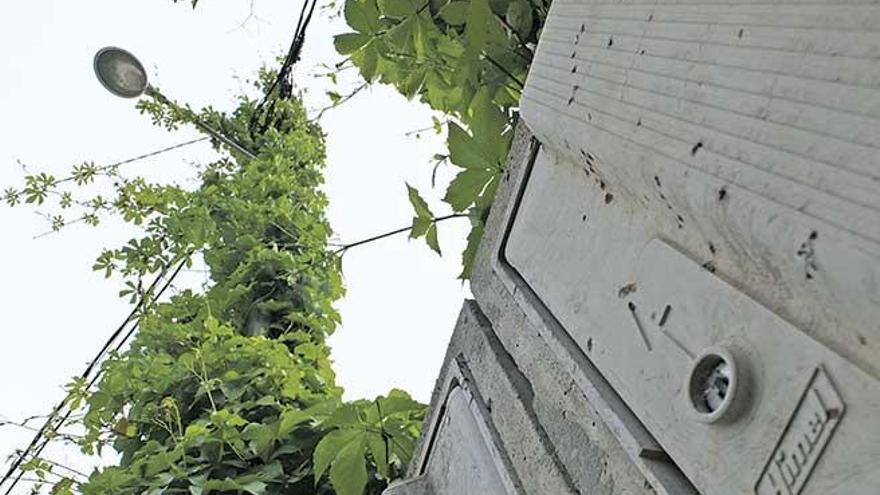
{"points": [[167, 284], [284, 80], [40, 437], [144, 156]]}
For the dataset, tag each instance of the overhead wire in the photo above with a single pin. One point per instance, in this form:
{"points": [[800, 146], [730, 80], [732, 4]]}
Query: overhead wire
{"points": [[137, 158], [40, 440], [41, 432], [283, 82]]}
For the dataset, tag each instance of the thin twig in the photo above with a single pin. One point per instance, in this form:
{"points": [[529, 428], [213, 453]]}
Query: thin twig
{"points": [[341, 101], [137, 158], [69, 437], [66, 468], [50, 232], [252, 14]]}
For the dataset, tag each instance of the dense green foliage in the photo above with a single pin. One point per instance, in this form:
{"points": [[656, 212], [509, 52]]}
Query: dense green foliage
{"points": [[465, 58], [230, 389]]}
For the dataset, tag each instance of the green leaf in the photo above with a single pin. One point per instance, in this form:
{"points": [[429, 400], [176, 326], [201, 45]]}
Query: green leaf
{"points": [[470, 252], [63, 487], [487, 123], [398, 401], [466, 187], [499, 6], [484, 202], [455, 13], [348, 474], [420, 206], [290, 419], [431, 239], [477, 35], [464, 151], [420, 226], [348, 43], [254, 487], [362, 15], [367, 60], [261, 438], [344, 415], [422, 31], [414, 83], [401, 36], [379, 450], [329, 447], [398, 8], [519, 16], [271, 471]]}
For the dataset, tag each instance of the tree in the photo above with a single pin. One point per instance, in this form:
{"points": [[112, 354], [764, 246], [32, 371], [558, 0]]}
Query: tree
{"points": [[229, 389]]}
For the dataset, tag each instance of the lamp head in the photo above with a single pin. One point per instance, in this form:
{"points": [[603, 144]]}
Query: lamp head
{"points": [[120, 72]]}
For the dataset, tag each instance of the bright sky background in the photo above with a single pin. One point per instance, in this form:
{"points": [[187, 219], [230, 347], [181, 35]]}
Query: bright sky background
{"points": [[402, 299]]}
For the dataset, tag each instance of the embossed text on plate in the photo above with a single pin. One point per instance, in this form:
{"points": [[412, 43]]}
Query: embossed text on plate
{"points": [[808, 431]]}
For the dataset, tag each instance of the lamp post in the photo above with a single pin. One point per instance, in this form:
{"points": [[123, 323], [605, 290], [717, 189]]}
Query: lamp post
{"points": [[122, 74]]}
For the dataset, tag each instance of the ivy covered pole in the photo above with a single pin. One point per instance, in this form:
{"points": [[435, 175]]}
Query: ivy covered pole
{"points": [[229, 388], [123, 75]]}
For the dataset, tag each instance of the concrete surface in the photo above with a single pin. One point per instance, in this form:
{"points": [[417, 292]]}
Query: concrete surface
{"points": [[551, 445], [688, 180]]}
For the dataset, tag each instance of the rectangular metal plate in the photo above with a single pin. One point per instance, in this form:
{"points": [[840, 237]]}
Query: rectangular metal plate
{"points": [[462, 451], [746, 133], [722, 161], [603, 274]]}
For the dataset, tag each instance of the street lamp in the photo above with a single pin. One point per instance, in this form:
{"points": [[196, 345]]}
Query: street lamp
{"points": [[122, 74]]}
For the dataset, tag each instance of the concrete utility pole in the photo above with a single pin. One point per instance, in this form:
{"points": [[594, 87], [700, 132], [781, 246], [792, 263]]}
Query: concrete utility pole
{"points": [[678, 288], [123, 75]]}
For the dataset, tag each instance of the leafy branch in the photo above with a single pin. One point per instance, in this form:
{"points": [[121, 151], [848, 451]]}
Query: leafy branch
{"points": [[467, 59]]}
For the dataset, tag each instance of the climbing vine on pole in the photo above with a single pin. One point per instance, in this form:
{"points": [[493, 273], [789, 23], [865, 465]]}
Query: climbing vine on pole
{"points": [[465, 58], [227, 389]]}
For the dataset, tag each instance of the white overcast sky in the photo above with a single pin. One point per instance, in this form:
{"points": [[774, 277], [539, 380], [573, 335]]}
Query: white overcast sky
{"points": [[402, 299]]}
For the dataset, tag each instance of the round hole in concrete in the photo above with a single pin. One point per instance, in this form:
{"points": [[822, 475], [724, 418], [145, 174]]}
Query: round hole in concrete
{"points": [[712, 384]]}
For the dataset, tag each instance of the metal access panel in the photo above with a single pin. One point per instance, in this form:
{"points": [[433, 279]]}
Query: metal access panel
{"points": [[461, 452], [462, 458], [703, 220]]}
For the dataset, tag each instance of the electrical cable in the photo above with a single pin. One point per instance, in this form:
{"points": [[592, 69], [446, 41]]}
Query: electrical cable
{"points": [[283, 81], [285, 85], [139, 157], [41, 433]]}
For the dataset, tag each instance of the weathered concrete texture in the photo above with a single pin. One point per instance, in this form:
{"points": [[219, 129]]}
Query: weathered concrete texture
{"points": [[717, 164], [540, 435], [708, 162], [538, 429], [592, 454]]}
